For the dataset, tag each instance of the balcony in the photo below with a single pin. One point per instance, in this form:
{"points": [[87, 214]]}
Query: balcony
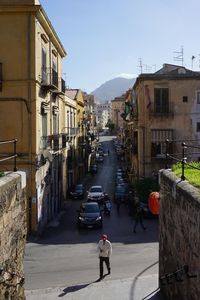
{"points": [[61, 89], [70, 131], [49, 79], [52, 142], [165, 111]]}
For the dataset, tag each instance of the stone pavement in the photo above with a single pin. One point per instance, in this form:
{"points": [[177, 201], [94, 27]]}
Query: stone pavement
{"points": [[138, 288]]}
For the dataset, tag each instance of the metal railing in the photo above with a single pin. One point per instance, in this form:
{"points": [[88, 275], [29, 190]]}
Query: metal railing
{"points": [[181, 157], [71, 131], [10, 157], [177, 276], [162, 111], [49, 77]]}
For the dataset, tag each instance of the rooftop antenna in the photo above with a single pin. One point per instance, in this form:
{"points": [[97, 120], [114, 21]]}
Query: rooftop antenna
{"points": [[192, 58], [179, 55], [140, 66]]}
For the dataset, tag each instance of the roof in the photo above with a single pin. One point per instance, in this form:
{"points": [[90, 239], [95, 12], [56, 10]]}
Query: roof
{"points": [[169, 71], [71, 93]]}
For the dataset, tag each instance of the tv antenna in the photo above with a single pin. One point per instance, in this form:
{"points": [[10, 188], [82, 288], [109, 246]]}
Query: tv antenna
{"points": [[192, 60], [140, 66], [179, 55]]}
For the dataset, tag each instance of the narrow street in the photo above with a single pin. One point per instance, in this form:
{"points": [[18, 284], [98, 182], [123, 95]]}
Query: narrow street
{"points": [[66, 256]]}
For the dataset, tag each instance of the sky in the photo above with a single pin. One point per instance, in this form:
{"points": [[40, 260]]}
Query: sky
{"points": [[105, 39]]}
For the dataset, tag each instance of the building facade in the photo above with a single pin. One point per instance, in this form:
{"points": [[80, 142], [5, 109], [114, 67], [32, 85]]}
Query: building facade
{"points": [[165, 105], [117, 107], [31, 99]]}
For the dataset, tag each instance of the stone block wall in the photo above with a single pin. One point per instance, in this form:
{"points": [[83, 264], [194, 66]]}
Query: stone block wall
{"points": [[179, 238], [12, 235]]}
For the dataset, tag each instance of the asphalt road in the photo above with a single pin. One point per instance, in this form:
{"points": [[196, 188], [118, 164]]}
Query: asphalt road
{"points": [[67, 257]]}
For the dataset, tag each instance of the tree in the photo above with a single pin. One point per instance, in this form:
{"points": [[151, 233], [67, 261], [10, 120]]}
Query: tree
{"points": [[110, 125]]}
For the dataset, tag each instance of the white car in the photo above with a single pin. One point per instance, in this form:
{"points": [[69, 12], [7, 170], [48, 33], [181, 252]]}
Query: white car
{"points": [[96, 194]]}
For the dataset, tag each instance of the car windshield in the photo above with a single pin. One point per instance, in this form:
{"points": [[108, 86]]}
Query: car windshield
{"points": [[90, 208], [96, 190], [78, 188]]}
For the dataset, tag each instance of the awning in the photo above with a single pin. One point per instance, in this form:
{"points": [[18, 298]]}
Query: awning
{"points": [[161, 135]]}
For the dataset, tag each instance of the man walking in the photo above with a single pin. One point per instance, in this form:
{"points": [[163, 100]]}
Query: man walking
{"points": [[105, 251], [139, 217]]}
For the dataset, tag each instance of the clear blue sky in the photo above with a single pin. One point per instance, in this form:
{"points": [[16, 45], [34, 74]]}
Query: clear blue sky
{"points": [[105, 38]]}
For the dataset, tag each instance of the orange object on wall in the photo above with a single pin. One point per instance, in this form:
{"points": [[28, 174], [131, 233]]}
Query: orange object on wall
{"points": [[154, 203]]}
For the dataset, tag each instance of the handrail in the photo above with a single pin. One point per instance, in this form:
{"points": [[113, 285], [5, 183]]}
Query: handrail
{"points": [[178, 275], [14, 156], [183, 159]]}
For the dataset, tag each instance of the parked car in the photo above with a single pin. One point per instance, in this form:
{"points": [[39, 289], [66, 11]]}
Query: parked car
{"points": [[96, 194], [89, 215], [77, 192], [93, 169]]}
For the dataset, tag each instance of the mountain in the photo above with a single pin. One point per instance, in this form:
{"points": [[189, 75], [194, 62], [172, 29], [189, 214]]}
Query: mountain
{"points": [[112, 88]]}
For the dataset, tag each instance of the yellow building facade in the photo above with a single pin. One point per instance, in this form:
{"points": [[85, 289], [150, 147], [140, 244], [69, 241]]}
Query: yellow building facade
{"points": [[31, 104], [165, 105]]}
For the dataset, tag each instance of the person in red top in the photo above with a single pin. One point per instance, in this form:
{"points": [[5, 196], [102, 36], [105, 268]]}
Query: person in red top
{"points": [[105, 251]]}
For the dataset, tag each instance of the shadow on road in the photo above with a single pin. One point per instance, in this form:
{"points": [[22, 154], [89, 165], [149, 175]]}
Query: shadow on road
{"points": [[72, 289]]}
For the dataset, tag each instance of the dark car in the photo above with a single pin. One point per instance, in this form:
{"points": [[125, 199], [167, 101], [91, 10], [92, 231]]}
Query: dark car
{"points": [[89, 215], [77, 192]]}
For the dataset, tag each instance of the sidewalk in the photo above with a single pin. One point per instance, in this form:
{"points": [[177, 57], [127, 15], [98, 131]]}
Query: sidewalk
{"points": [[138, 288]]}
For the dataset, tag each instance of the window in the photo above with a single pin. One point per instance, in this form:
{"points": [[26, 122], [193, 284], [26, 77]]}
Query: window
{"points": [[55, 124], [185, 99], [54, 65], [44, 130], [198, 97], [161, 100], [44, 65], [198, 126], [158, 142]]}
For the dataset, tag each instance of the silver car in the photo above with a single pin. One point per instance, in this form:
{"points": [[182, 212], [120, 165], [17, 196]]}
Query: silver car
{"points": [[96, 194]]}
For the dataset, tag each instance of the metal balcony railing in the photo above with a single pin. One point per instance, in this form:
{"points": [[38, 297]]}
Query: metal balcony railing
{"points": [[52, 142], [70, 131], [63, 85], [6, 156], [166, 110], [49, 78]]}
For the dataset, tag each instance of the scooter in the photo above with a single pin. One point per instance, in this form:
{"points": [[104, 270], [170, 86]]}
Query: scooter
{"points": [[107, 207]]}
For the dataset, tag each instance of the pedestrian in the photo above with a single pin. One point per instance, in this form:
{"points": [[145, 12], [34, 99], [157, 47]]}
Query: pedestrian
{"points": [[138, 217], [108, 151], [105, 251]]}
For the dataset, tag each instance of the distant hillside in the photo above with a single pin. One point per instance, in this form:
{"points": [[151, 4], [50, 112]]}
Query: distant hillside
{"points": [[112, 88]]}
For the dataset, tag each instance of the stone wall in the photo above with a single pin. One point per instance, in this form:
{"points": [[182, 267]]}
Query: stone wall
{"points": [[12, 235], [179, 236]]}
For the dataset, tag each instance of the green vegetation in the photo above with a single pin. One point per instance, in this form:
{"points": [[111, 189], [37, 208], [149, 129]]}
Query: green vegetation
{"points": [[110, 125], [191, 175], [146, 186], [1, 174]]}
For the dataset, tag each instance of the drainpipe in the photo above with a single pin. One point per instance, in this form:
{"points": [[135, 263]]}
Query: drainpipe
{"points": [[29, 115]]}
